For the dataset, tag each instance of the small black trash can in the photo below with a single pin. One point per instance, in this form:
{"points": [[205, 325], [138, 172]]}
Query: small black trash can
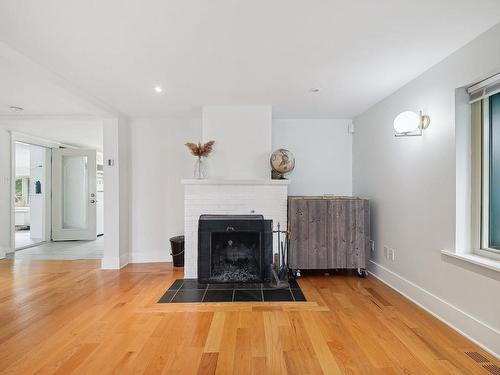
{"points": [[177, 245]]}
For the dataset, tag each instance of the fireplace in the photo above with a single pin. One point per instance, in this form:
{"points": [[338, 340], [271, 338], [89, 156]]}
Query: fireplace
{"points": [[234, 248]]}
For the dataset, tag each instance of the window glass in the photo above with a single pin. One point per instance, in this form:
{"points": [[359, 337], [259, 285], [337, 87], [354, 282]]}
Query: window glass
{"points": [[494, 172]]}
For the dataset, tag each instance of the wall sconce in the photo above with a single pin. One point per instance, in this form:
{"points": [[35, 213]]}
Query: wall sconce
{"points": [[409, 123]]}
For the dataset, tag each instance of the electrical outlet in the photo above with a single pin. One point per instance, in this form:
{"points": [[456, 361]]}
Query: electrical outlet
{"points": [[386, 252], [393, 254], [372, 246]]}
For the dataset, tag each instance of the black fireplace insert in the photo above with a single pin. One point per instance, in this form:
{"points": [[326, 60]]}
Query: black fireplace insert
{"points": [[234, 249]]}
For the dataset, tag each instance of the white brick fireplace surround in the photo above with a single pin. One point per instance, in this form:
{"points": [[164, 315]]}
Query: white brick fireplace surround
{"points": [[229, 197]]}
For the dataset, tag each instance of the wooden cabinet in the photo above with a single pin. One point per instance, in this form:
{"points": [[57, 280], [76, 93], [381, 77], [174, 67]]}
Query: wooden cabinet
{"points": [[328, 232]]}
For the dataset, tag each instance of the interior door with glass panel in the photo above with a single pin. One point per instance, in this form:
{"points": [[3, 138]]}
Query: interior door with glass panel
{"points": [[73, 194]]}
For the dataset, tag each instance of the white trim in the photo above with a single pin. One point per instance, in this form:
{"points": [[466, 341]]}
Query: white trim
{"points": [[478, 332], [488, 253], [485, 82], [37, 141], [478, 260], [12, 194], [485, 88], [463, 171], [140, 257], [233, 182], [485, 174], [114, 263], [124, 259]]}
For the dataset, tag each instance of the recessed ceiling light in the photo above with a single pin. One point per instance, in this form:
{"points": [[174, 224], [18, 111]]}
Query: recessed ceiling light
{"points": [[15, 108], [314, 89], [158, 89]]}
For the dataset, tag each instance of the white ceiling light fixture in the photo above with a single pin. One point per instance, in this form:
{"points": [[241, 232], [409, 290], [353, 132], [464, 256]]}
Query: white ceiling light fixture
{"points": [[158, 89], [15, 108], [409, 123]]}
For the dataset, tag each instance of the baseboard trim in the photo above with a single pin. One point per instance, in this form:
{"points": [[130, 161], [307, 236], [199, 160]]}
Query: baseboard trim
{"points": [[114, 263], [478, 332], [8, 250], [149, 258], [124, 260]]}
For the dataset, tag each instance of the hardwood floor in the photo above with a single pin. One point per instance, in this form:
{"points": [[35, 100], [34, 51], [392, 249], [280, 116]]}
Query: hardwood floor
{"points": [[61, 317]]}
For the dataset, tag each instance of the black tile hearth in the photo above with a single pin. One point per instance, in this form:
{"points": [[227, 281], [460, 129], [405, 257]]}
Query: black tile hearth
{"points": [[167, 297], [225, 286], [176, 285], [248, 295], [298, 295], [247, 286], [278, 295], [191, 291], [192, 295], [294, 284], [215, 295]]}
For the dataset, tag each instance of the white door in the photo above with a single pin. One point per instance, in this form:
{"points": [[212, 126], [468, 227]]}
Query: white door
{"points": [[73, 194]]}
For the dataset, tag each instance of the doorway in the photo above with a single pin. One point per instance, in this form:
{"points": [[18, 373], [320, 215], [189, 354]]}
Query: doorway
{"points": [[58, 193], [32, 195]]}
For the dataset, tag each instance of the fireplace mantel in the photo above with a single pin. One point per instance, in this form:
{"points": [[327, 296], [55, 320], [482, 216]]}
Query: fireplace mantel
{"points": [[229, 197], [233, 182]]}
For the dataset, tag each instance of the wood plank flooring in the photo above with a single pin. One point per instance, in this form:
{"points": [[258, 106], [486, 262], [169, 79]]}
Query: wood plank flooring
{"points": [[65, 317]]}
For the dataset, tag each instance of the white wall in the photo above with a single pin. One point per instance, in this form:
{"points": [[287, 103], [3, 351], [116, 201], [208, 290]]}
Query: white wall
{"points": [[411, 183], [242, 136], [159, 160], [117, 193], [323, 155], [22, 159], [39, 160], [5, 208]]}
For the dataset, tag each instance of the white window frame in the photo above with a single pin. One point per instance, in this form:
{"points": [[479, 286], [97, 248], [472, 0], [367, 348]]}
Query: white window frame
{"points": [[481, 226]]}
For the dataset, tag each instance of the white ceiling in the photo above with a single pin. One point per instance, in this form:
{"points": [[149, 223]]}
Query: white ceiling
{"points": [[238, 51], [38, 91]]}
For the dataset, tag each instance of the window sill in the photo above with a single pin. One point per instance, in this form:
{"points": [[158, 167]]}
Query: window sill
{"points": [[475, 259]]}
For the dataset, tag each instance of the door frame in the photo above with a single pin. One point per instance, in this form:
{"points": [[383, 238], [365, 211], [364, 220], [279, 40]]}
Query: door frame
{"points": [[35, 141], [116, 138]]}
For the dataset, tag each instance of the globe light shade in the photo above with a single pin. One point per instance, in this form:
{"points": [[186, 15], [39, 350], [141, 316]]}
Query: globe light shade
{"points": [[409, 123]]}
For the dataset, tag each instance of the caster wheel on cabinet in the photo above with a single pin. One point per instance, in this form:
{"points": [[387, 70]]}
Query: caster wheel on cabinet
{"points": [[361, 273]]}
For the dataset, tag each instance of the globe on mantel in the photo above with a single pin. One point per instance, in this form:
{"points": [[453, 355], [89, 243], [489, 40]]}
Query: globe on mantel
{"points": [[282, 162]]}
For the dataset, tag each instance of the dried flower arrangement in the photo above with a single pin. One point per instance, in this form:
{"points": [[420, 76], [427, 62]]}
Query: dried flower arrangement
{"points": [[201, 150]]}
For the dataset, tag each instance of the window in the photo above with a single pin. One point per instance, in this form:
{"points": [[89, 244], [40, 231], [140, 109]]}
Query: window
{"points": [[486, 176], [23, 195]]}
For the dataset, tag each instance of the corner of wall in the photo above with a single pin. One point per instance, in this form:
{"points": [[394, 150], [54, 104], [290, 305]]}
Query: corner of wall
{"points": [[116, 194]]}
